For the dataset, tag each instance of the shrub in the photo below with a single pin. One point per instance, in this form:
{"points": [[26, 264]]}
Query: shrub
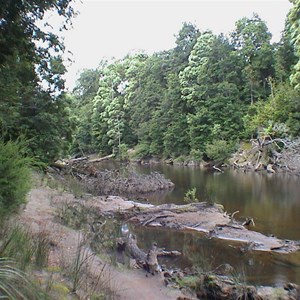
{"points": [[15, 174], [196, 154], [190, 196], [219, 150], [141, 151], [123, 152]]}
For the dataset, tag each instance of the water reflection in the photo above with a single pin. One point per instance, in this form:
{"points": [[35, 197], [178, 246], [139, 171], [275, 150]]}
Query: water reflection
{"points": [[261, 268], [272, 200]]}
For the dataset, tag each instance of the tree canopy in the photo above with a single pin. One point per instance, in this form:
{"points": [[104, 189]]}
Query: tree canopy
{"points": [[33, 102], [201, 97], [207, 93]]}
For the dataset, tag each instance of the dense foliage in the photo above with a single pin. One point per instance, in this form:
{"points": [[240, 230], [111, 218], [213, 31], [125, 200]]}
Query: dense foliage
{"points": [[196, 100], [15, 175], [33, 104], [31, 85]]}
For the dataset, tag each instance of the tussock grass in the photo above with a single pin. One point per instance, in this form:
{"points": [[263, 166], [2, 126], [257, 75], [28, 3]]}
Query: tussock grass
{"points": [[14, 284]]}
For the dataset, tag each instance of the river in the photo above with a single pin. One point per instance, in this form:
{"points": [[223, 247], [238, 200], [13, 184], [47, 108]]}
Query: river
{"points": [[272, 200]]}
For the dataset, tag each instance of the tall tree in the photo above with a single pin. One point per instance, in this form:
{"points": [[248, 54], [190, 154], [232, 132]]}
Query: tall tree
{"points": [[293, 18], [109, 118], [31, 70], [83, 94], [251, 39], [285, 58], [210, 87]]}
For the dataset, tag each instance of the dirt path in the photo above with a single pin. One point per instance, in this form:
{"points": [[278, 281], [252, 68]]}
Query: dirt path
{"points": [[39, 214]]}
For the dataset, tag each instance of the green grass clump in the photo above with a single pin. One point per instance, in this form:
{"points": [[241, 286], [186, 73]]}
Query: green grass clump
{"points": [[23, 246], [190, 196]]}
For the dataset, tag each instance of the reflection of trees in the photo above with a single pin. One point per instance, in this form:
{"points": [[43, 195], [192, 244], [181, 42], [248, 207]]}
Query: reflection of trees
{"points": [[201, 257], [205, 255], [271, 200]]}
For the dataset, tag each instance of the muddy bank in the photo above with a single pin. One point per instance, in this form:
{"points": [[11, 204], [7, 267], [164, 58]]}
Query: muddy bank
{"points": [[208, 219], [98, 214], [205, 218], [97, 276]]}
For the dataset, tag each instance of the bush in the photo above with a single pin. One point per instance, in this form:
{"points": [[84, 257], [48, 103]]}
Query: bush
{"points": [[190, 196], [196, 154], [219, 150], [15, 174], [123, 152], [141, 151]]}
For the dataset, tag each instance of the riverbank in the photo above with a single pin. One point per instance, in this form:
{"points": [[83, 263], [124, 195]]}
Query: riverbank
{"points": [[267, 156], [48, 208], [97, 276]]}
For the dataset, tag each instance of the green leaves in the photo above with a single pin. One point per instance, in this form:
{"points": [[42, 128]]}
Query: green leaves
{"points": [[251, 39], [293, 19], [190, 100], [15, 174]]}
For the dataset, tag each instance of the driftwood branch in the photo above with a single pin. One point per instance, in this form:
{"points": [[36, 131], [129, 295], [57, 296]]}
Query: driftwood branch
{"points": [[148, 261], [217, 169], [156, 217], [95, 160]]}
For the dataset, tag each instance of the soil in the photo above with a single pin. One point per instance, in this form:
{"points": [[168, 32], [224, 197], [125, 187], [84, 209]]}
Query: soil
{"points": [[39, 214]]}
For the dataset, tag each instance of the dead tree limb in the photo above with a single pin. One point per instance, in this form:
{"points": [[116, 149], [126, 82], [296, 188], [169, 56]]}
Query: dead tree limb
{"points": [[95, 160], [154, 218], [147, 261], [217, 169]]}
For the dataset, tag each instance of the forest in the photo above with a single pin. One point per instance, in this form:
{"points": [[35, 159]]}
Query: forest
{"points": [[196, 100]]}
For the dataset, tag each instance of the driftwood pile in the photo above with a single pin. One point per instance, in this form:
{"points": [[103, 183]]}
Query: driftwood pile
{"points": [[270, 155], [124, 181]]}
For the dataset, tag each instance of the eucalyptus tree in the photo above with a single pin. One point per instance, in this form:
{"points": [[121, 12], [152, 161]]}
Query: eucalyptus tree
{"points": [[146, 91], [251, 40], [293, 19], [210, 87], [109, 117], [185, 41], [175, 136]]}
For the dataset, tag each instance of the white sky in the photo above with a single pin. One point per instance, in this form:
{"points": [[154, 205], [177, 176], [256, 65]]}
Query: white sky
{"points": [[114, 28]]}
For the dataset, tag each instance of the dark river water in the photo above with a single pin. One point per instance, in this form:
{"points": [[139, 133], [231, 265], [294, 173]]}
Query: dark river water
{"points": [[272, 200]]}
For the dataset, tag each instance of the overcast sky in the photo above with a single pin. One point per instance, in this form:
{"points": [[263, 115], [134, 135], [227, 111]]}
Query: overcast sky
{"points": [[114, 28]]}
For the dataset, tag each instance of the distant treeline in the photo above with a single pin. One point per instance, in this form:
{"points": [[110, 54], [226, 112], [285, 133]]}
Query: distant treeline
{"points": [[203, 96]]}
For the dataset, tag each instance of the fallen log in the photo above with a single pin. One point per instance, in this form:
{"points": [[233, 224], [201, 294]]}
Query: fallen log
{"points": [[74, 160], [147, 261], [96, 160], [270, 169], [217, 169]]}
